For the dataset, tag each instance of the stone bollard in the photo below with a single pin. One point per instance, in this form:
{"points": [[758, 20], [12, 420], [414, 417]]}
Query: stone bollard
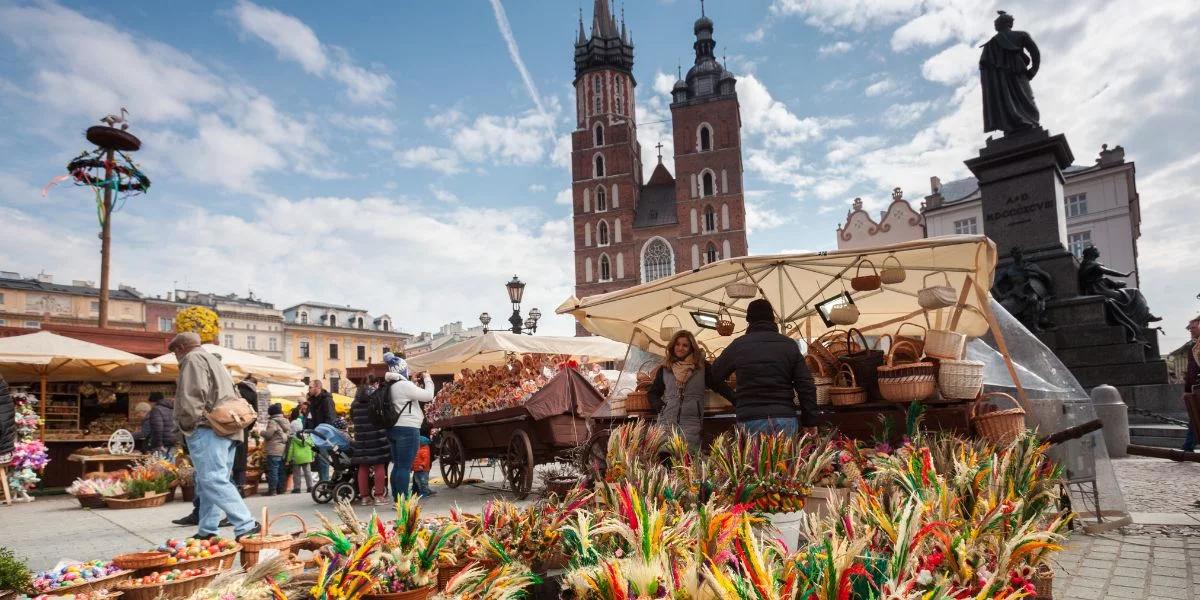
{"points": [[1115, 415]]}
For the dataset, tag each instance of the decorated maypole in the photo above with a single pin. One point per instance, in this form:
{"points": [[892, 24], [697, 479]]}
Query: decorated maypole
{"points": [[121, 179]]}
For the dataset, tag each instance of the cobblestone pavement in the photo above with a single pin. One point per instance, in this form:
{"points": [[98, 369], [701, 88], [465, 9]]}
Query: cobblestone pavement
{"points": [[1148, 561]]}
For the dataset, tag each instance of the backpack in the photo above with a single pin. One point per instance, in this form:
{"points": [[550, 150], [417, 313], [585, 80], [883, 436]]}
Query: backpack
{"points": [[380, 410]]}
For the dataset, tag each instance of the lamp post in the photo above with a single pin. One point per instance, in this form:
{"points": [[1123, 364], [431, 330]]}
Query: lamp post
{"points": [[528, 325]]}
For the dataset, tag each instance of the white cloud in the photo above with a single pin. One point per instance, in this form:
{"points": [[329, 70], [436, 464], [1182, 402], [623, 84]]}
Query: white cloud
{"points": [[854, 14], [297, 42], [442, 160], [952, 66], [884, 86], [515, 54], [537, 188], [756, 36], [759, 216], [835, 48], [770, 118], [901, 115], [444, 195], [364, 123], [564, 197]]}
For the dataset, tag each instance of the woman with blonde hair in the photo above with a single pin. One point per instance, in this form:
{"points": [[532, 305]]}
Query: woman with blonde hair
{"points": [[679, 388]]}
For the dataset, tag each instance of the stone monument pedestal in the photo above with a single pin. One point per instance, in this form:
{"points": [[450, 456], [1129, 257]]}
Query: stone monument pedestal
{"points": [[1021, 185]]}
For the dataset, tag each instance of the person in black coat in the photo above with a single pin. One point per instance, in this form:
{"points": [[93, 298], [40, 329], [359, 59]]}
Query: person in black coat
{"points": [[370, 449], [159, 431], [320, 412], [8, 423], [248, 390], [772, 378]]}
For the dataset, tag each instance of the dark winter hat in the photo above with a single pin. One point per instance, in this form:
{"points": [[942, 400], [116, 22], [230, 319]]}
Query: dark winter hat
{"points": [[156, 397], [275, 409], [760, 310]]}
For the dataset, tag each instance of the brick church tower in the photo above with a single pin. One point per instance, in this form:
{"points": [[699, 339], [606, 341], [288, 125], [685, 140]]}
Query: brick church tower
{"points": [[628, 231]]}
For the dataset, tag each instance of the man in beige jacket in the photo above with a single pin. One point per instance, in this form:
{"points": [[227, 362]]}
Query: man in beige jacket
{"points": [[203, 381]]}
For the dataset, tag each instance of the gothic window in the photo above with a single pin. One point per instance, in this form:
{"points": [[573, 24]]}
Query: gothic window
{"points": [[598, 135], [710, 219], [599, 166], [605, 268], [602, 234], [601, 199], [708, 184], [705, 138], [596, 95], [710, 253], [619, 94], [657, 260], [587, 269]]}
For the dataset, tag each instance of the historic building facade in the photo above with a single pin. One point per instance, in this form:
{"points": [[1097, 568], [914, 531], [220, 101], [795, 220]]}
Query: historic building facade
{"points": [[630, 229], [327, 339], [36, 301]]}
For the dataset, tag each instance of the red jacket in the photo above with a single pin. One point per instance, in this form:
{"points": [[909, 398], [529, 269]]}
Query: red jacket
{"points": [[422, 461]]}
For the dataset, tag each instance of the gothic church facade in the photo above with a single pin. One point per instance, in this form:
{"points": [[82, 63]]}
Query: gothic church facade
{"points": [[630, 229]]}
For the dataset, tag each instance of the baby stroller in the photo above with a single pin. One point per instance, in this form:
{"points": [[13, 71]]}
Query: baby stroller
{"points": [[334, 449]]}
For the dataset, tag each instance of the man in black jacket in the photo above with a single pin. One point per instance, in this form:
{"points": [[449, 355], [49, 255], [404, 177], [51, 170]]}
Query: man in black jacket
{"points": [[772, 379], [320, 410], [8, 423]]}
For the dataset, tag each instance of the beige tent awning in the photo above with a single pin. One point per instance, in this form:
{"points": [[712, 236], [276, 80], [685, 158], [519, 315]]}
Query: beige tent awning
{"points": [[51, 357], [238, 362], [795, 284], [492, 348]]}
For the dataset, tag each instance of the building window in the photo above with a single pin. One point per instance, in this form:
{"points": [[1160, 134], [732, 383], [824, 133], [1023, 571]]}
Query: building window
{"points": [[705, 138], [599, 166], [360, 323], [96, 306], [710, 253], [332, 320], [598, 135], [387, 325], [304, 317], [708, 184], [710, 219], [251, 343], [596, 94], [1076, 242], [228, 340], [1076, 205], [273, 344], [3, 322], [602, 234], [1, 298], [657, 260], [362, 352], [966, 226], [605, 268], [386, 349], [304, 353], [33, 324], [601, 199], [166, 324], [333, 351]]}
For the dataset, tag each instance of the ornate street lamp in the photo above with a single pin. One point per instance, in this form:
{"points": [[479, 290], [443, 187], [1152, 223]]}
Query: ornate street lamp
{"points": [[516, 291]]}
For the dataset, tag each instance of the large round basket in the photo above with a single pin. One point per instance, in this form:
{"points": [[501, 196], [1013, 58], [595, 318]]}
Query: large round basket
{"points": [[998, 427], [252, 546], [945, 344], [960, 379], [171, 589], [147, 501], [908, 380], [219, 562], [141, 560], [420, 594], [1043, 582], [106, 583], [90, 501]]}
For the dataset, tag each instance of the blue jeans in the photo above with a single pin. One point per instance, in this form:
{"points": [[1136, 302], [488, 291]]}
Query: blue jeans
{"points": [[405, 442], [274, 474], [322, 461], [421, 482], [212, 457], [771, 425]]}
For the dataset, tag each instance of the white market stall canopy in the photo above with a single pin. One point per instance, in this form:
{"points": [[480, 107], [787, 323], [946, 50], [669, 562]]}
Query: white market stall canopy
{"points": [[45, 356], [238, 362], [795, 284], [494, 347]]}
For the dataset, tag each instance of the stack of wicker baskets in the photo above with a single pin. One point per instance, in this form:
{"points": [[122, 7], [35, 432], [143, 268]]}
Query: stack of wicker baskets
{"points": [[904, 378], [821, 378]]}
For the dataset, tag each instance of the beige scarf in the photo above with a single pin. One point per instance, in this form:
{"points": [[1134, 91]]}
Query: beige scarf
{"points": [[683, 371]]}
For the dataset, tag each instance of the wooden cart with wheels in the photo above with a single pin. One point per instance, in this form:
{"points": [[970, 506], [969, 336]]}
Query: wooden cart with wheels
{"points": [[549, 425]]}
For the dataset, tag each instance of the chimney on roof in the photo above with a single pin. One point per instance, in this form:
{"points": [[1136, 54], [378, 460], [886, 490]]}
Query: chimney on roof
{"points": [[935, 185], [934, 199], [1116, 156], [45, 277], [81, 283]]}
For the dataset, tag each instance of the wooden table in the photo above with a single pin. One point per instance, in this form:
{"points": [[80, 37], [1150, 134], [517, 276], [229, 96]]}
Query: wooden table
{"points": [[101, 460]]}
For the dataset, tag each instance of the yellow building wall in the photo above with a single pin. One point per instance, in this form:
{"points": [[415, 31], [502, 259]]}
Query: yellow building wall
{"points": [[320, 363], [24, 305]]}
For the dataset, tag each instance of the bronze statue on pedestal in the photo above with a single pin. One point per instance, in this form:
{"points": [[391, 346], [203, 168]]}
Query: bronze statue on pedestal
{"points": [[1005, 71], [1022, 289], [1127, 306]]}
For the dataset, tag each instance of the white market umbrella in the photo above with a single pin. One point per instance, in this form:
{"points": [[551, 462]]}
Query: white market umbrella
{"points": [[45, 356], [239, 363], [494, 347]]}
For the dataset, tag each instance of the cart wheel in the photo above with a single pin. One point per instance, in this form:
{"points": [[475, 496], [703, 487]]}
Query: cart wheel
{"points": [[322, 493], [518, 464], [452, 460], [593, 461], [343, 492]]}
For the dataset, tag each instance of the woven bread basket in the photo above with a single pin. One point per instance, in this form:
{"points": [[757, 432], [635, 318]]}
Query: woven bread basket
{"points": [[998, 427], [141, 560], [845, 390], [906, 381], [147, 501], [945, 344], [253, 545], [960, 379], [169, 590], [1043, 582], [741, 290], [821, 379]]}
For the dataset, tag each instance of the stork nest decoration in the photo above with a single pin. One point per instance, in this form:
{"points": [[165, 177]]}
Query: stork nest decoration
{"points": [[101, 171]]}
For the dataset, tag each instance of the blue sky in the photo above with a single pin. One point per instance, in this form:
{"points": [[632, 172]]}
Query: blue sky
{"points": [[406, 157]]}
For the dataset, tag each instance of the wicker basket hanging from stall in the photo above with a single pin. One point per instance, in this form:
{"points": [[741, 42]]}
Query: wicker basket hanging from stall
{"points": [[998, 427], [865, 283], [960, 379], [724, 322], [741, 290], [821, 378], [845, 390], [904, 378], [891, 274], [666, 332]]}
